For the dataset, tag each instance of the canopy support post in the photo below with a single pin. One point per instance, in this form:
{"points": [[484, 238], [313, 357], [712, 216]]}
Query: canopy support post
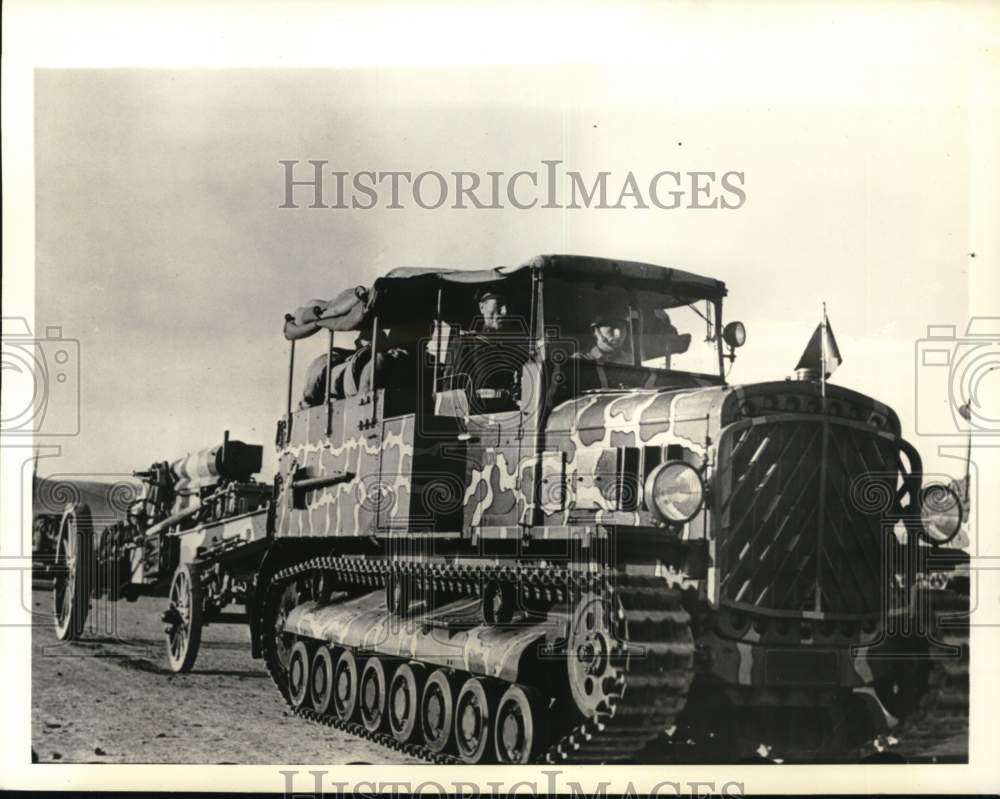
{"points": [[328, 404], [291, 375], [371, 375], [436, 329]]}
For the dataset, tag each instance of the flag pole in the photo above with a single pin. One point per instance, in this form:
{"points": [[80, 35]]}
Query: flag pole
{"points": [[822, 365], [825, 434]]}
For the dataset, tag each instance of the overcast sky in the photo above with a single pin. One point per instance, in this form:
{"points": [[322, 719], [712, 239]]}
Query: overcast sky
{"points": [[162, 248]]}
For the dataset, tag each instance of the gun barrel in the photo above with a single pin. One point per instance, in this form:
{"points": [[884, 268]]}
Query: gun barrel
{"points": [[234, 460]]}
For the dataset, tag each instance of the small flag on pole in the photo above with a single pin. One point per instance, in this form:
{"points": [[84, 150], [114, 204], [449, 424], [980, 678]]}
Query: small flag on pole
{"points": [[965, 411], [821, 355]]}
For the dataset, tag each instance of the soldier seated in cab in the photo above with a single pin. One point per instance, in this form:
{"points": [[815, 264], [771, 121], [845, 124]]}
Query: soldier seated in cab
{"points": [[609, 336], [492, 355], [352, 372], [607, 363]]}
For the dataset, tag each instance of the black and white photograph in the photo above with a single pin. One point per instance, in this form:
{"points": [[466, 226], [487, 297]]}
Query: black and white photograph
{"points": [[525, 388]]}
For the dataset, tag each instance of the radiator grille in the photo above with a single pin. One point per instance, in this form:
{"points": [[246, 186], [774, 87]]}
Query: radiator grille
{"points": [[773, 551]]}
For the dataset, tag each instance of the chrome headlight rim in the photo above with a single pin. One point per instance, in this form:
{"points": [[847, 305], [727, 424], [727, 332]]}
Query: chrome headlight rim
{"points": [[662, 472], [954, 501]]}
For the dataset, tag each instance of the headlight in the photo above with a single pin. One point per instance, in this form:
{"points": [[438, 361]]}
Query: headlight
{"points": [[940, 513], [675, 491]]}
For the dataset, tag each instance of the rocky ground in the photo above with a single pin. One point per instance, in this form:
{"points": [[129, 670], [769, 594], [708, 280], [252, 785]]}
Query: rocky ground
{"points": [[110, 698]]}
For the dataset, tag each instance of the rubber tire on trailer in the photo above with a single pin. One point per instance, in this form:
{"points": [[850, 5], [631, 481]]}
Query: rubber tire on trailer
{"points": [[438, 689], [186, 587], [517, 707], [298, 675], [321, 689], [473, 722], [405, 685], [345, 686], [75, 548], [373, 687]]}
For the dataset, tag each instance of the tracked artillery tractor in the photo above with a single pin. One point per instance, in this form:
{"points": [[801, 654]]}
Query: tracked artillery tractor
{"points": [[545, 528], [196, 536]]}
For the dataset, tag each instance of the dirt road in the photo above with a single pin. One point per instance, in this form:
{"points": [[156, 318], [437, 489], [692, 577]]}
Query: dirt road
{"points": [[109, 698]]}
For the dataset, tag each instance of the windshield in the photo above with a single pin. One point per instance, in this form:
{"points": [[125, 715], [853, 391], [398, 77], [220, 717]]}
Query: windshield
{"points": [[619, 325]]}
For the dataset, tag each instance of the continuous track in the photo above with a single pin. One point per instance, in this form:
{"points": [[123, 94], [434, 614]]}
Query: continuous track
{"points": [[652, 659]]}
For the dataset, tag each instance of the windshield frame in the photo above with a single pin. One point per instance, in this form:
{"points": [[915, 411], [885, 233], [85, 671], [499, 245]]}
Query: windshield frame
{"points": [[632, 288]]}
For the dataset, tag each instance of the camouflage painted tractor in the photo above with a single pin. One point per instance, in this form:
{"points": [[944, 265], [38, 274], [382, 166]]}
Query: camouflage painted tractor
{"points": [[526, 519], [195, 535]]}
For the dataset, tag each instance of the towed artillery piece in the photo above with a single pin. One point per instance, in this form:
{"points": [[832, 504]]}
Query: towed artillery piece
{"points": [[195, 535], [557, 533]]}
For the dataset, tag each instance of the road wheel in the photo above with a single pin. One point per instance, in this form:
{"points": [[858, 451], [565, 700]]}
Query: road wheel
{"points": [[436, 711], [73, 572], [321, 680], [373, 694], [404, 701], [473, 722], [298, 675], [516, 734], [184, 618], [345, 686]]}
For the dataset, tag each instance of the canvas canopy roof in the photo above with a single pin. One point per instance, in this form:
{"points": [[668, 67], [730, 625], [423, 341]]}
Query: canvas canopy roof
{"points": [[408, 294]]}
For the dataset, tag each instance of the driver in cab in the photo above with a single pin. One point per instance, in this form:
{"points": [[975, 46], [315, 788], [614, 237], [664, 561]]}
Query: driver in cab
{"points": [[608, 346], [492, 355]]}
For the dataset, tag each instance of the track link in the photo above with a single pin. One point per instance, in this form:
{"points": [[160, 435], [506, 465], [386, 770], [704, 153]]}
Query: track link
{"points": [[654, 663]]}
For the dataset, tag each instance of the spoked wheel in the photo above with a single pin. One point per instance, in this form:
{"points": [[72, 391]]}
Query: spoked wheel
{"points": [[404, 702], [321, 680], [516, 733], [592, 656], [184, 618], [298, 675], [73, 572], [473, 722], [373, 694], [345, 686], [436, 711]]}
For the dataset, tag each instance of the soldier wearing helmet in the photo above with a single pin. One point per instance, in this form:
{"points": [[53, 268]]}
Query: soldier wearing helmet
{"points": [[609, 339], [492, 317], [610, 335]]}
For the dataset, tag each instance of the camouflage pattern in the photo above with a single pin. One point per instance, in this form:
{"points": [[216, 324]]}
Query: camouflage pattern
{"points": [[353, 448], [585, 467], [238, 531], [575, 469], [365, 623], [585, 439]]}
